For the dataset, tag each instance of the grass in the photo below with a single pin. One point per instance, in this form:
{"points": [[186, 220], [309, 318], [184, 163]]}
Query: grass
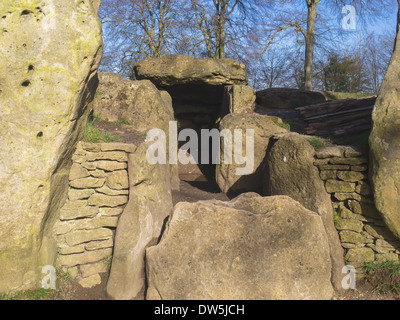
{"points": [[62, 286], [384, 276], [94, 135], [285, 126], [317, 142]]}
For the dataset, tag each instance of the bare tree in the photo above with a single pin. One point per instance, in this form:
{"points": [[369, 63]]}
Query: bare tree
{"points": [[140, 28], [367, 10], [222, 23]]}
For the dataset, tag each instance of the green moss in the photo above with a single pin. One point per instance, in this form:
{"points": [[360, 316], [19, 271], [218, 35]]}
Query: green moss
{"points": [[285, 125], [317, 142], [94, 135]]}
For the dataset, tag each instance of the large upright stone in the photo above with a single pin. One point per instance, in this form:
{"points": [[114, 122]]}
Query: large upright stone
{"points": [[252, 248], [231, 175], [150, 202], [385, 144], [50, 51], [290, 171]]}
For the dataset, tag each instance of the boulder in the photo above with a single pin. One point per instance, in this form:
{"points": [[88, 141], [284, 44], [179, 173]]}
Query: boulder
{"points": [[50, 51], [180, 69], [228, 179], [251, 248], [290, 171], [287, 98], [150, 203], [384, 145], [136, 102]]}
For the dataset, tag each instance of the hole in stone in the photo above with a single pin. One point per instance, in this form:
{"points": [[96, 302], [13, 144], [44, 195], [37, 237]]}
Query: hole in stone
{"points": [[40, 134], [26, 83], [26, 12], [24, 45]]}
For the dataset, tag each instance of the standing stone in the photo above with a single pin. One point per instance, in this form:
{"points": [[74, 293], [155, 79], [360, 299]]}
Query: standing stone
{"points": [[239, 99], [384, 144], [50, 51], [251, 248], [227, 176], [290, 171], [139, 226]]}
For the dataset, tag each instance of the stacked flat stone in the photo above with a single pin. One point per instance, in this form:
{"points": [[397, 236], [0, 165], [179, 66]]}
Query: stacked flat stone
{"points": [[97, 195], [363, 234]]}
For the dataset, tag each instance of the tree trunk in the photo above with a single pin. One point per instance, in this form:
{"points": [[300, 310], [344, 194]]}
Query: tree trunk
{"points": [[309, 56]]}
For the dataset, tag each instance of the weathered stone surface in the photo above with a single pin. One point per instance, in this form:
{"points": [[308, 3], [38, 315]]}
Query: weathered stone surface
{"points": [[351, 176], [79, 194], [96, 245], [118, 180], [112, 192], [111, 212], [150, 202], [93, 268], [103, 200], [384, 143], [128, 148], [252, 247], [179, 69], [137, 102], [78, 172], [90, 281], [327, 174], [84, 258], [290, 171], [339, 186], [349, 224], [342, 196], [357, 257], [329, 152], [98, 173], [120, 156], [82, 236], [78, 213], [229, 179], [87, 183], [111, 165], [352, 237], [50, 51], [385, 257], [287, 98], [99, 221], [239, 99], [349, 161]]}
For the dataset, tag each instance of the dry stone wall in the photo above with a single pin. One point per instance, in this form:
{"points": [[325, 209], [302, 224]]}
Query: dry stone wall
{"points": [[363, 233], [97, 195]]}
